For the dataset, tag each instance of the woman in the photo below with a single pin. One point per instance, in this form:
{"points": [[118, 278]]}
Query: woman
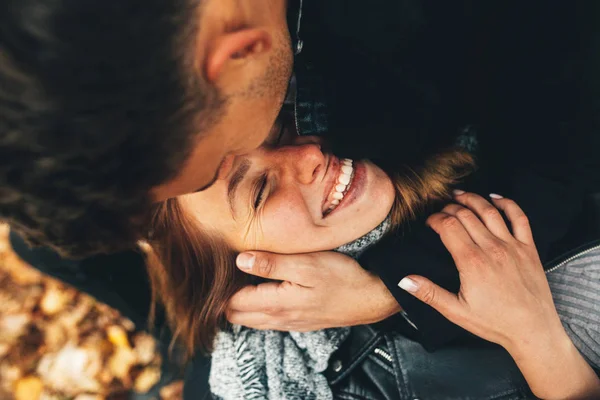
{"points": [[290, 200]]}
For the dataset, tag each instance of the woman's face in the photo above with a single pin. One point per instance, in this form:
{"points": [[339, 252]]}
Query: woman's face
{"points": [[293, 199]]}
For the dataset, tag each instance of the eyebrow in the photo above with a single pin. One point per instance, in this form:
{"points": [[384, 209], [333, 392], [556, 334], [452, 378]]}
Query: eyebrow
{"points": [[235, 181]]}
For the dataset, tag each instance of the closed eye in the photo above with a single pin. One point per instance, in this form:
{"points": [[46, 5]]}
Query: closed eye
{"points": [[261, 184]]}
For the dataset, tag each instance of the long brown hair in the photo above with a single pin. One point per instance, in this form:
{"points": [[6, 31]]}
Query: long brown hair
{"points": [[193, 273]]}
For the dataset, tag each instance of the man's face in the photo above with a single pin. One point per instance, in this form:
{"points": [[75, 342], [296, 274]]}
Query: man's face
{"points": [[213, 155], [247, 122]]}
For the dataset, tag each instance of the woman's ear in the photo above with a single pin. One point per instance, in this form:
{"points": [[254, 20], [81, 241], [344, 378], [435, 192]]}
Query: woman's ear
{"points": [[233, 47]]}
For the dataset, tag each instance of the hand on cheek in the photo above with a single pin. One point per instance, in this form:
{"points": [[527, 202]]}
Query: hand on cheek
{"points": [[315, 291]]}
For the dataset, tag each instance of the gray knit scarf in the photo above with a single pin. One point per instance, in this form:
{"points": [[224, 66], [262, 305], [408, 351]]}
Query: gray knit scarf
{"points": [[251, 364]]}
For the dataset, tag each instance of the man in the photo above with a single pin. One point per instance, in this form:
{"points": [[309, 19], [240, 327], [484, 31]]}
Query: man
{"points": [[107, 108]]}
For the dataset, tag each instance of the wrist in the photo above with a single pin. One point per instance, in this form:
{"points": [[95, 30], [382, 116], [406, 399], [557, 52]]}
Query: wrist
{"points": [[554, 368], [384, 302], [546, 343], [541, 336]]}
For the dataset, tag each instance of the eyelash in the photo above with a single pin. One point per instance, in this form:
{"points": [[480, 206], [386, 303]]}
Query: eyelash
{"points": [[262, 184]]}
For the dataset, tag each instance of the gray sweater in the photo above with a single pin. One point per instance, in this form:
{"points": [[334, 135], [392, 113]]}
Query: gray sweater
{"points": [[251, 364], [575, 287]]}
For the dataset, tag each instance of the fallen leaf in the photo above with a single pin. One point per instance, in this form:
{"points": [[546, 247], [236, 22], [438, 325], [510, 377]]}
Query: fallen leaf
{"points": [[146, 380], [51, 395], [28, 388], [4, 349], [89, 397], [13, 326], [127, 324], [57, 343], [55, 336], [9, 374], [173, 391], [144, 346], [117, 336], [54, 300], [72, 370], [120, 363]]}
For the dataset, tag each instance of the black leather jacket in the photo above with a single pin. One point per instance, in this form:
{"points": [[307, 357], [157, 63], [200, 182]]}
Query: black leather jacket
{"points": [[379, 365], [394, 81]]}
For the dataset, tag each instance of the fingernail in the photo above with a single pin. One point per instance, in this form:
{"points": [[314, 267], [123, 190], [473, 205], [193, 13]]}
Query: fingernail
{"points": [[409, 285], [496, 196], [458, 192], [245, 260]]}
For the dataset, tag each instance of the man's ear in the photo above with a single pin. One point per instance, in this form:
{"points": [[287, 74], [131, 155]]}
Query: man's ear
{"points": [[235, 46]]}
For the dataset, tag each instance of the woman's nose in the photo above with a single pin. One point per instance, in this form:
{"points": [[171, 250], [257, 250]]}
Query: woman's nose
{"points": [[309, 161], [303, 161]]}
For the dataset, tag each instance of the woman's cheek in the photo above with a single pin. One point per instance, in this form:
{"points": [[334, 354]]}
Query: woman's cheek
{"points": [[285, 226]]}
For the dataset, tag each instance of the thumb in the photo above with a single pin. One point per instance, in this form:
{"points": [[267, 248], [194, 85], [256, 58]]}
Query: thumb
{"points": [[440, 299], [281, 267]]}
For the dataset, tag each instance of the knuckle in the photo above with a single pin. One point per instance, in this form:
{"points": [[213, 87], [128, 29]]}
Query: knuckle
{"points": [[522, 219], [473, 256], [294, 317], [450, 222], [465, 214], [273, 309], [265, 266], [497, 253], [428, 295], [523, 251], [491, 213]]}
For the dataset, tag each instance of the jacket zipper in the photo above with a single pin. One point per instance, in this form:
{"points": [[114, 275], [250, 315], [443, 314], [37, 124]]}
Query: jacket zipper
{"points": [[573, 257], [299, 42], [383, 354]]}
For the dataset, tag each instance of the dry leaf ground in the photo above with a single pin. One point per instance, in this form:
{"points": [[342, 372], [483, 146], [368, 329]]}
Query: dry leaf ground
{"points": [[60, 344]]}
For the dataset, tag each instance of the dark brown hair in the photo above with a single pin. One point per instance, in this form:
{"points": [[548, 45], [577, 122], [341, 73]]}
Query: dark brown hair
{"points": [[193, 273], [99, 103]]}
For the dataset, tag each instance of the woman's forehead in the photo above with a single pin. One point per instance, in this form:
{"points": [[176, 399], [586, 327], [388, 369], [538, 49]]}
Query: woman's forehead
{"points": [[210, 206]]}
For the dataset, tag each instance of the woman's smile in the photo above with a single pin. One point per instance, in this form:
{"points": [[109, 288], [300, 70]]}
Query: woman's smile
{"points": [[339, 183], [327, 200]]}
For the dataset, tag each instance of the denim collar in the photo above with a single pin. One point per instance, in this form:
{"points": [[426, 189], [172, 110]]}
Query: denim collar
{"points": [[305, 92]]}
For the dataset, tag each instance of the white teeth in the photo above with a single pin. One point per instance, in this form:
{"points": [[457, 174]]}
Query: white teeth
{"points": [[346, 171], [344, 179]]}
